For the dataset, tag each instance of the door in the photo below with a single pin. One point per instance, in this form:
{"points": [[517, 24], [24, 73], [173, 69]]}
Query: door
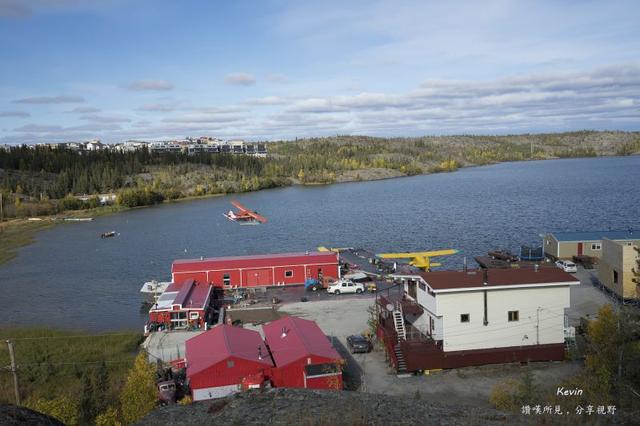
{"points": [[579, 249], [256, 277]]}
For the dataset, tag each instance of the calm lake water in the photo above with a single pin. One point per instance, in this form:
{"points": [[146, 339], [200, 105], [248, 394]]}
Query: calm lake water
{"points": [[74, 279]]}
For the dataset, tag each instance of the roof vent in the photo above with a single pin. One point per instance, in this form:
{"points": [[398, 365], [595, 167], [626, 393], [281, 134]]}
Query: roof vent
{"points": [[471, 272], [536, 267], [260, 352], [201, 257], [284, 333]]}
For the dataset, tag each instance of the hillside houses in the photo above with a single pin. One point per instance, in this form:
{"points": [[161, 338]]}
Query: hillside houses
{"points": [[190, 146]]}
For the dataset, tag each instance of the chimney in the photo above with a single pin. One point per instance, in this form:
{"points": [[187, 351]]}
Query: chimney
{"points": [[485, 276]]}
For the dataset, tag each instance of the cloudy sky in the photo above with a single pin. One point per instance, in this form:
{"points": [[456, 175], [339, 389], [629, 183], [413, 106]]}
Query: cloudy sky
{"points": [[155, 69]]}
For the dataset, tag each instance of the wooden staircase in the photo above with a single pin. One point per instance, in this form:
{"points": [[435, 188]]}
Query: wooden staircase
{"points": [[398, 322], [401, 332]]}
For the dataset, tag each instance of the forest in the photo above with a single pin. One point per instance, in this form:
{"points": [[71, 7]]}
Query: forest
{"points": [[40, 180]]}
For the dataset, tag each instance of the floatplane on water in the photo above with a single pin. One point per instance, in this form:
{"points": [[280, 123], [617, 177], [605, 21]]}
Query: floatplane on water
{"points": [[244, 216]]}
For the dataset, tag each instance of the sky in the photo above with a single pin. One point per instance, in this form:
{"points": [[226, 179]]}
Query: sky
{"points": [[274, 69]]}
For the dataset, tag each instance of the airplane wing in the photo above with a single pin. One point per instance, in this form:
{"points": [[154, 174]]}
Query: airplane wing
{"points": [[239, 206], [417, 254], [256, 216]]}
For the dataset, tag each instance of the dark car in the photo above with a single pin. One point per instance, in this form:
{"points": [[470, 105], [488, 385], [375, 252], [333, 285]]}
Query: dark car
{"points": [[359, 344]]}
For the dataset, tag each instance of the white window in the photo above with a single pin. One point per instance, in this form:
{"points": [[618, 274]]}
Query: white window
{"points": [[514, 316], [226, 279], [464, 317], [194, 315], [288, 274], [596, 246]]}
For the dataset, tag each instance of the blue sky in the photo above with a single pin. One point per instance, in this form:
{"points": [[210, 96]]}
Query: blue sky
{"points": [[119, 69]]}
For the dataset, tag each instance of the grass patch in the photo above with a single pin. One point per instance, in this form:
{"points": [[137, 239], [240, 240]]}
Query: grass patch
{"points": [[21, 232], [16, 234], [52, 363]]}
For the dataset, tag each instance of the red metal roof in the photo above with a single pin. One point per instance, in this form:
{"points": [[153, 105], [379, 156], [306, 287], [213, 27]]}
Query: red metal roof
{"points": [[189, 295], [445, 280], [257, 261], [302, 338], [222, 342]]}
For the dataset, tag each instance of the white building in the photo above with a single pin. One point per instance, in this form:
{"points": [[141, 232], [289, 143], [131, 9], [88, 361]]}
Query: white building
{"points": [[486, 316]]}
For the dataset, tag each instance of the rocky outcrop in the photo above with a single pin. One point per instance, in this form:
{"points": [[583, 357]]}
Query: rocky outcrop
{"points": [[10, 415], [313, 407]]}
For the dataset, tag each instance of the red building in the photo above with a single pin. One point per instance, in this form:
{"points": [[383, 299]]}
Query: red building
{"points": [[303, 355], [220, 360], [182, 305], [260, 270]]}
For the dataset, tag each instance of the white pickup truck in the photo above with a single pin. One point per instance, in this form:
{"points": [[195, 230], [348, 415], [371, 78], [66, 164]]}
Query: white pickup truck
{"points": [[344, 286]]}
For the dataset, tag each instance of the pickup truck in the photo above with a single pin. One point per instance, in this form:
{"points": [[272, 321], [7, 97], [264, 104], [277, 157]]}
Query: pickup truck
{"points": [[345, 286]]}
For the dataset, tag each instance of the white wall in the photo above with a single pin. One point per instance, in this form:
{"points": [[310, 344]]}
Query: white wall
{"points": [[500, 332], [214, 392]]}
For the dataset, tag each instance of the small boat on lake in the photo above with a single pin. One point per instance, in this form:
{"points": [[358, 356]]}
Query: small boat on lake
{"points": [[108, 234]]}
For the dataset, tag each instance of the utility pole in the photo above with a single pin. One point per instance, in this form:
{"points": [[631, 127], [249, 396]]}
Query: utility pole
{"points": [[14, 372], [1, 213], [538, 325]]}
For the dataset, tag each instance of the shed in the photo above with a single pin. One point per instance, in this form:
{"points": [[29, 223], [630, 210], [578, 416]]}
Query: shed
{"points": [[565, 245], [303, 355], [220, 359], [258, 270], [182, 305]]}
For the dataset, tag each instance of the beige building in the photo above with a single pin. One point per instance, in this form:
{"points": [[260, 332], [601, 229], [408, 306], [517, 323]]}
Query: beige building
{"points": [[565, 245], [616, 268]]}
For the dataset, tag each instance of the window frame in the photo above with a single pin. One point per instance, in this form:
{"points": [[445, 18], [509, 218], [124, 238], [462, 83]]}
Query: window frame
{"points": [[513, 316], [288, 273], [465, 318]]}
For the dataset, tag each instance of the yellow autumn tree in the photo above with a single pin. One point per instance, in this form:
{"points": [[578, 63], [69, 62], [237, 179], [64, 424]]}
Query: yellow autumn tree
{"points": [[139, 395], [62, 408], [108, 418]]}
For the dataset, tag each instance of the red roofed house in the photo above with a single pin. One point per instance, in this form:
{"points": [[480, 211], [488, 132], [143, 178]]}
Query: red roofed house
{"points": [[449, 319], [182, 305], [260, 270], [303, 355], [220, 359]]}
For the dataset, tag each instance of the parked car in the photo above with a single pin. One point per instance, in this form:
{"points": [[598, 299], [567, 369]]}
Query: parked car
{"points": [[359, 344], [345, 286], [567, 266]]}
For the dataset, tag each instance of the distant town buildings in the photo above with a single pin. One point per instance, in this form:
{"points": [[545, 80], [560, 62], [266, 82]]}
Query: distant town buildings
{"points": [[190, 146]]}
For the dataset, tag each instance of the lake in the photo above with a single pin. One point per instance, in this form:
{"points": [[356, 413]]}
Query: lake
{"points": [[72, 278]]}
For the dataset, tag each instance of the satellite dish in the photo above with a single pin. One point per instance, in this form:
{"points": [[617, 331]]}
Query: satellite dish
{"points": [[389, 307]]}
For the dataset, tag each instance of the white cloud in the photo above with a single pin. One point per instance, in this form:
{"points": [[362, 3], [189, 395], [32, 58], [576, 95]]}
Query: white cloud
{"points": [[83, 110], [61, 99], [240, 79], [14, 114], [96, 118], [267, 100], [151, 85]]}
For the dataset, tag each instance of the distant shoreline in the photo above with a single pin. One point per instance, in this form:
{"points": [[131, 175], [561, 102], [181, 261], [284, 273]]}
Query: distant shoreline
{"points": [[18, 233]]}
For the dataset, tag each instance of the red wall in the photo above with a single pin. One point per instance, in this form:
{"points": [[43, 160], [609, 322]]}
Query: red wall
{"points": [[326, 382], [267, 276], [221, 375], [292, 375]]}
